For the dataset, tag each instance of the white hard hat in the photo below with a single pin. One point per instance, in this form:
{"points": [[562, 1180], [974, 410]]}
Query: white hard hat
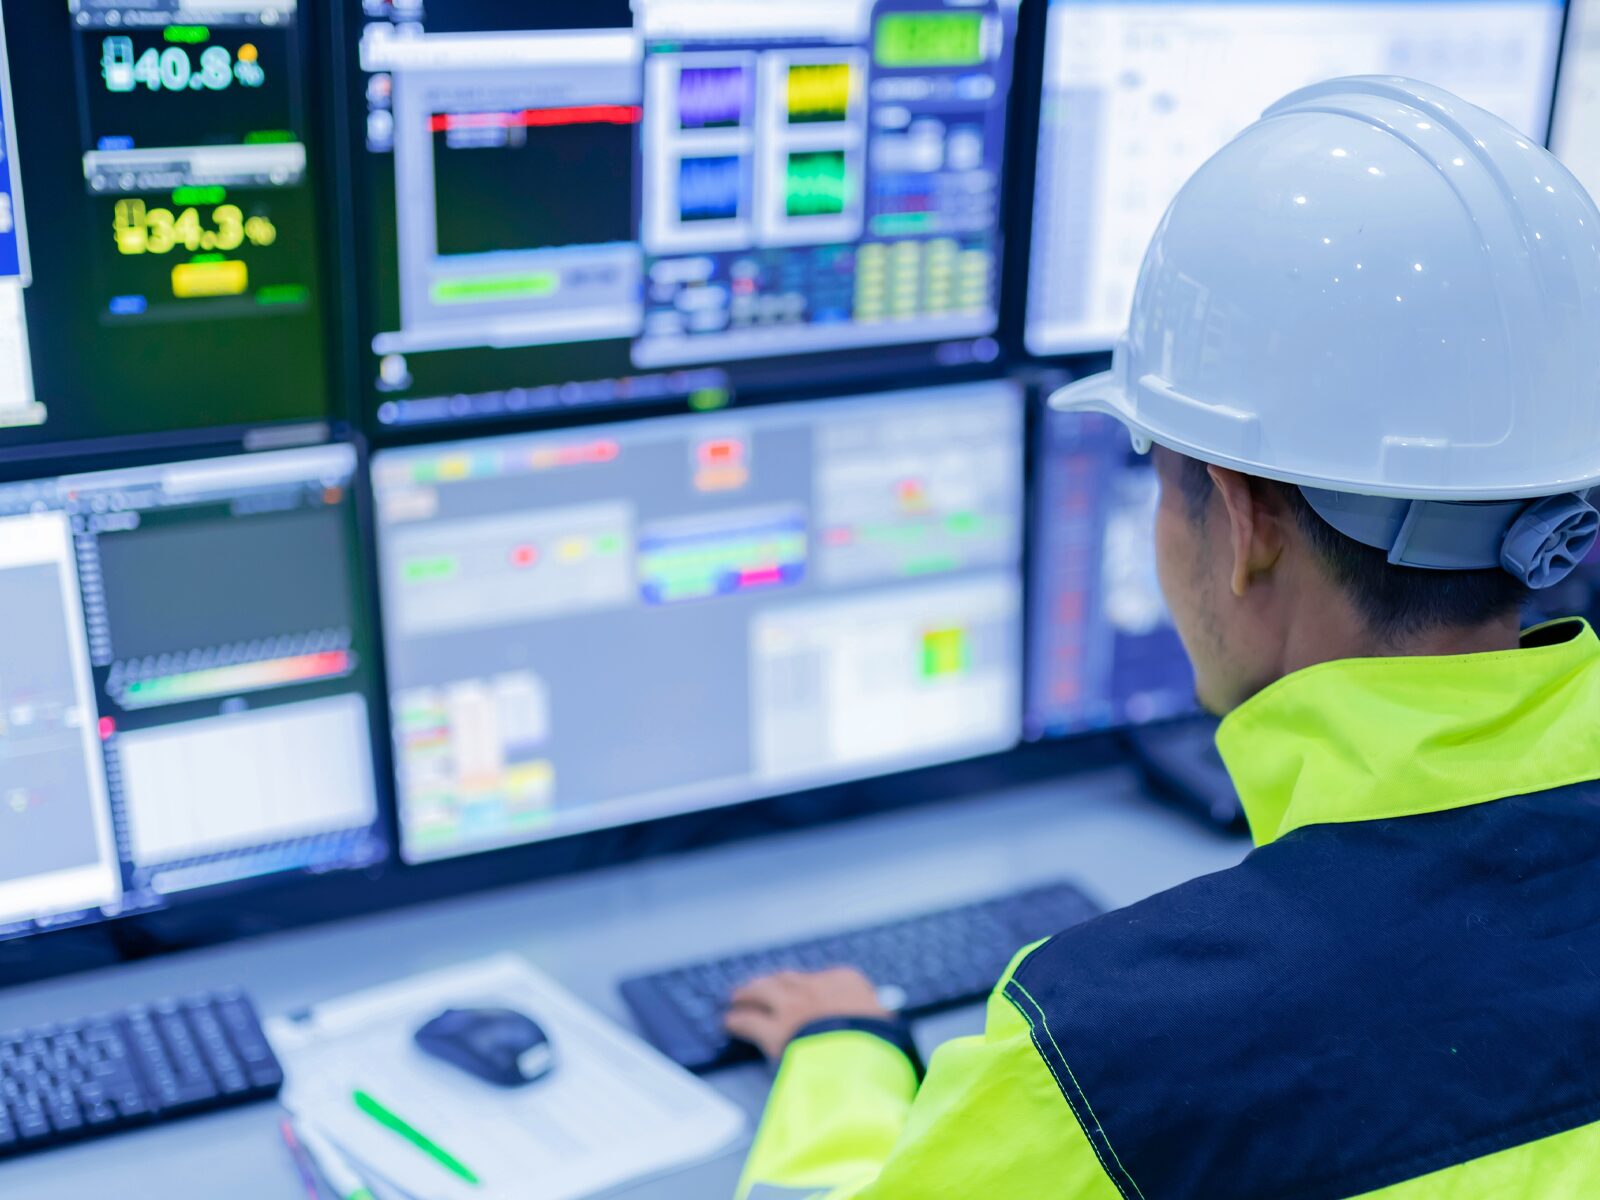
{"points": [[1380, 291]]}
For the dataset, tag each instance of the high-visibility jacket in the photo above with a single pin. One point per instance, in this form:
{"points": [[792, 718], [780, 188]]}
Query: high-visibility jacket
{"points": [[1396, 994]]}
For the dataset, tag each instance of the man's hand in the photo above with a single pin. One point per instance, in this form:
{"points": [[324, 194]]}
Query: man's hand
{"points": [[769, 1012]]}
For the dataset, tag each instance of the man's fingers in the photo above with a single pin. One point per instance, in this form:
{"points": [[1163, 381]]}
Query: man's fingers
{"points": [[767, 990], [739, 1020], [752, 1025], [759, 993], [844, 977]]}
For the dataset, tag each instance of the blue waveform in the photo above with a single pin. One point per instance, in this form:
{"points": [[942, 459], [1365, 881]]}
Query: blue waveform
{"points": [[712, 97], [709, 188]]}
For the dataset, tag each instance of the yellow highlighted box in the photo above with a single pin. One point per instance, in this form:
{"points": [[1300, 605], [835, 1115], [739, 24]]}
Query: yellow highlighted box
{"points": [[195, 280]]}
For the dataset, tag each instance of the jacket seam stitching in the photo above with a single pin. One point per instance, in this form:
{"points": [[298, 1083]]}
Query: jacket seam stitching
{"points": [[1067, 1095], [1072, 1105], [1045, 1022]]}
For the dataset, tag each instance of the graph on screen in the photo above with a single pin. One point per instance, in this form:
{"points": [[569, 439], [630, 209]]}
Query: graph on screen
{"points": [[817, 184], [818, 93], [714, 97], [709, 189]]}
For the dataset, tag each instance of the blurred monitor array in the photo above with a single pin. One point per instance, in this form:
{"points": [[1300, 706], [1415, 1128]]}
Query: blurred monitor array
{"points": [[699, 472]]}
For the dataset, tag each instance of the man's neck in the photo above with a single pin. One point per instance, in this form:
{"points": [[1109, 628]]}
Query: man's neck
{"points": [[1338, 633]]}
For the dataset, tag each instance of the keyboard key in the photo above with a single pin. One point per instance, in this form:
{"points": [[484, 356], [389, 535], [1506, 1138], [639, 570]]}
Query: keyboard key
{"points": [[131, 1103], [31, 1124], [266, 1075], [191, 1094]]}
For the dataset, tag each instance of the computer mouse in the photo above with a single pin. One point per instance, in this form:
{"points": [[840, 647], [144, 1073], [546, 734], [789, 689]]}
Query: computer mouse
{"points": [[496, 1045]]}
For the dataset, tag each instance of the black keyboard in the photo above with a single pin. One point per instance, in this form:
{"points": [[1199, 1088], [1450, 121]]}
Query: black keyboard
{"points": [[920, 964], [104, 1074]]}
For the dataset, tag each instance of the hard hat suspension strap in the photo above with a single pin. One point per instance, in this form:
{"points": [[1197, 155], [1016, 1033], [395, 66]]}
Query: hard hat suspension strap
{"points": [[1539, 542]]}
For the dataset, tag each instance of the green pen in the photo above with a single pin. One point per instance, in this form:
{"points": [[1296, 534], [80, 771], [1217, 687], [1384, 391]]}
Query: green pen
{"points": [[398, 1124]]}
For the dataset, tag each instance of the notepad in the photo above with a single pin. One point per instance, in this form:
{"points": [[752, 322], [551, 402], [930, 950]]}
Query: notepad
{"points": [[614, 1111]]}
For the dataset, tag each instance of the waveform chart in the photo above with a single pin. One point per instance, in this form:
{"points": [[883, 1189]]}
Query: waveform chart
{"points": [[710, 188], [714, 97]]}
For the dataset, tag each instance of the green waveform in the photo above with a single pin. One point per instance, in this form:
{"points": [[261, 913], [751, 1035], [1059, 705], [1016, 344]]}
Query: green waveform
{"points": [[817, 184]]}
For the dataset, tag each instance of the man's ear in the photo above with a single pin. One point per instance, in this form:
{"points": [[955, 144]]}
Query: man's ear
{"points": [[1255, 531]]}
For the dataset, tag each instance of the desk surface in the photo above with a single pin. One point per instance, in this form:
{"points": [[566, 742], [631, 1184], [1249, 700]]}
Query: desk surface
{"points": [[589, 930]]}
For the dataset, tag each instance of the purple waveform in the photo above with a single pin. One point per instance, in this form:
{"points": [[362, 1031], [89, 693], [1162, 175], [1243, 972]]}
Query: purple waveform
{"points": [[712, 97]]}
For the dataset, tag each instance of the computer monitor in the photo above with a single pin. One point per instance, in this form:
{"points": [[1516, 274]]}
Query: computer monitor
{"points": [[607, 625], [1575, 133], [676, 198], [166, 275], [1102, 649], [185, 685], [1136, 95]]}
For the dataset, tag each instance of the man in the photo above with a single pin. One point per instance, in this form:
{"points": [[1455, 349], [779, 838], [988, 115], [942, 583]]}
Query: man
{"points": [[1366, 344]]}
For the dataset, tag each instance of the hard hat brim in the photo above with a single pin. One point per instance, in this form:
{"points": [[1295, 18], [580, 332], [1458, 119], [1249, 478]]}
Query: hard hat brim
{"points": [[1093, 393], [1105, 393]]}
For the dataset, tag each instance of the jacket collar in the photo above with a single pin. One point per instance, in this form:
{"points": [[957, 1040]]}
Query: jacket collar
{"points": [[1367, 738]]}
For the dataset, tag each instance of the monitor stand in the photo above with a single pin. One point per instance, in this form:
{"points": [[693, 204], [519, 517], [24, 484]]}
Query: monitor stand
{"points": [[1180, 763]]}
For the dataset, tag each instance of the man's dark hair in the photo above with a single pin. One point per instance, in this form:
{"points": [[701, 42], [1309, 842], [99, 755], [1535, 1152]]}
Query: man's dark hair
{"points": [[1395, 602]]}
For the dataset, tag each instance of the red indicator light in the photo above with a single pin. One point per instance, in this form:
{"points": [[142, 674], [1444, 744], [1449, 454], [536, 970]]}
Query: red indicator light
{"points": [[1070, 607], [761, 577], [107, 728], [524, 556], [534, 118], [720, 452]]}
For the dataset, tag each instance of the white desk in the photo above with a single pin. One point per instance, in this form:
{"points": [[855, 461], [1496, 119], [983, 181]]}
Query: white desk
{"points": [[590, 930]]}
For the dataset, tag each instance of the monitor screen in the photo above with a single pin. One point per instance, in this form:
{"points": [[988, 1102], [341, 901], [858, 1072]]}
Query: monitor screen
{"points": [[163, 626], [158, 150], [1575, 135], [1137, 95], [602, 626], [1102, 648], [681, 197]]}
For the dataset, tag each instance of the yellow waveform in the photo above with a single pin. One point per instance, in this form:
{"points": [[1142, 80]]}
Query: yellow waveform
{"points": [[819, 92]]}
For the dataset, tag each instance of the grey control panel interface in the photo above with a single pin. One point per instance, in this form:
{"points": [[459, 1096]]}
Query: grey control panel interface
{"points": [[599, 626]]}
